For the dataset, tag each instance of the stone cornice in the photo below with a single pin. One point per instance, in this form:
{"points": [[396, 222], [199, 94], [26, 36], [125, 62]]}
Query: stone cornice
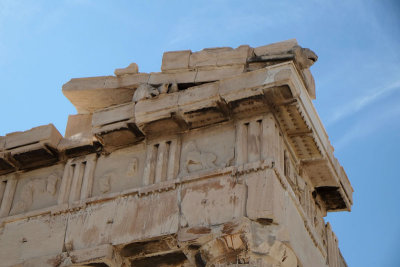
{"points": [[277, 88], [132, 108]]}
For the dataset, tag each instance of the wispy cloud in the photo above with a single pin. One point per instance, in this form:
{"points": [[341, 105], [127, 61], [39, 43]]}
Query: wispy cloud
{"points": [[369, 125], [363, 101]]}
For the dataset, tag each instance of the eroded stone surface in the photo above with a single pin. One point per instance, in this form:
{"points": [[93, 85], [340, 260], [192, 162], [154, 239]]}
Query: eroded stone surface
{"points": [[218, 160], [119, 171], [201, 153], [37, 189], [131, 69]]}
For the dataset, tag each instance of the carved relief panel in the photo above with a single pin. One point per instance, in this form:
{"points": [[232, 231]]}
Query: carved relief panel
{"points": [[77, 179], [37, 189], [319, 225], [7, 190], [121, 170], [310, 204], [332, 245], [258, 139], [306, 198], [313, 211], [215, 200], [209, 148], [3, 185], [162, 160]]}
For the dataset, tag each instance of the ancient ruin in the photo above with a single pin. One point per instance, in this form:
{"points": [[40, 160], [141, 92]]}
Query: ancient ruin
{"points": [[220, 159]]}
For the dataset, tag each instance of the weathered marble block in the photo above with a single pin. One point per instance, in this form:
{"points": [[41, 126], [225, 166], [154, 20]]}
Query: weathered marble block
{"points": [[202, 105], [6, 164], [91, 94], [126, 172], [37, 189], [116, 126], [159, 115], [35, 147], [79, 139]]}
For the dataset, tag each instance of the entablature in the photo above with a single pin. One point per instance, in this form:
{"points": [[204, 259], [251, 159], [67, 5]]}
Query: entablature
{"points": [[223, 145], [155, 111]]}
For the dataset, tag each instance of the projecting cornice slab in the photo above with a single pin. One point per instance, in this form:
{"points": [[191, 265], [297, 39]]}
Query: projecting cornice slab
{"points": [[187, 68]]}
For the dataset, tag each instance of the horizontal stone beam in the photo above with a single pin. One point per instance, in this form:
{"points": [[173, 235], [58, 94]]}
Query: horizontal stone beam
{"points": [[276, 88], [91, 94], [33, 148], [186, 67]]}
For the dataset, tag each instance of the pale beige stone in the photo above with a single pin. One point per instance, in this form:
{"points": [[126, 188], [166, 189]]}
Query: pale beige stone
{"points": [[45, 261], [158, 115], [237, 84], [37, 189], [33, 148], [275, 48], [19, 240], [236, 56], [257, 139], [199, 152], [79, 139], [156, 107], [47, 133], [265, 197], [145, 217], [8, 185], [283, 254], [320, 173], [220, 56], [195, 97], [129, 80], [176, 77], [344, 180], [304, 57], [131, 69], [162, 160], [114, 114], [309, 82], [145, 91], [333, 251], [91, 94], [118, 134], [193, 102], [77, 179], [300, 238], [175, 60], [223, 250], [126, 171], [115, 126], [203, 58], [83, 100], [216, 201], [79, 124], [218, 73], [91, 227]]}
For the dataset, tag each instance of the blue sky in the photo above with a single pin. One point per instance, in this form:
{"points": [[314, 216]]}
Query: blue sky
{"points": [[45, 43]]}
